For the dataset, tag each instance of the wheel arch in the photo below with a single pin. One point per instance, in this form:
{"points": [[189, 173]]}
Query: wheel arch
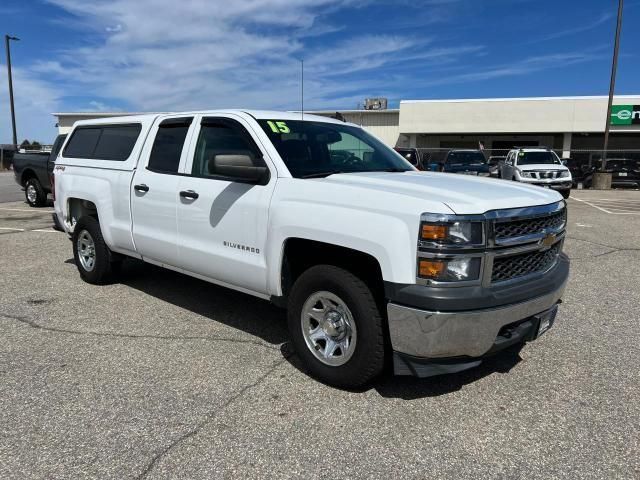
{"points": [[27, 174], [300, 254]]}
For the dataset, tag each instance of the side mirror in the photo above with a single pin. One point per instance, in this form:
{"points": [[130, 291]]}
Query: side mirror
{"points": [[564, 161], [241, 167]]}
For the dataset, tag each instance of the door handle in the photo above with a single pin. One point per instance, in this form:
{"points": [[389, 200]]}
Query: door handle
{"points": [[189, 194], [141, 188]]}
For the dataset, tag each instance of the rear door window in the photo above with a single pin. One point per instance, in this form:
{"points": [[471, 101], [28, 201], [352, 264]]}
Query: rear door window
{"points": [[168, 144]]}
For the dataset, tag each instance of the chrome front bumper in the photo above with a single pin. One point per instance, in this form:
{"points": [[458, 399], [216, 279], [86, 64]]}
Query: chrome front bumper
{"points": [[426, 334]]}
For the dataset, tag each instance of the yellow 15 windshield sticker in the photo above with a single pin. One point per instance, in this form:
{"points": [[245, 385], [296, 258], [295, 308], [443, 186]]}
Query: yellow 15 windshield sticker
{"points": [[278, 127]]}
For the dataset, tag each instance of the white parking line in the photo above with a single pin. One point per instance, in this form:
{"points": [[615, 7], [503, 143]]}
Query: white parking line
{"points": [[613, 206], [43, 230], [41, 212], [591, 204]]}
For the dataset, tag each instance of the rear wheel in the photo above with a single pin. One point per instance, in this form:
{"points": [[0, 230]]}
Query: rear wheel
{"points": [[34, 193], [91, 254], [336, 326]]}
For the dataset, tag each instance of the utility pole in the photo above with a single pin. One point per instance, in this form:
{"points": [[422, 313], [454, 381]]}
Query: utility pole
{"points": [[612, 85], [7, 38]]}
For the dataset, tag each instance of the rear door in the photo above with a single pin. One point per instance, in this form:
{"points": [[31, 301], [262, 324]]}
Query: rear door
{"points": [[154, 190], [222, 221]]}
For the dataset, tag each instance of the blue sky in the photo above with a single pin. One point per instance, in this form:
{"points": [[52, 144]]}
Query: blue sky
{"points": [[162, 55]]}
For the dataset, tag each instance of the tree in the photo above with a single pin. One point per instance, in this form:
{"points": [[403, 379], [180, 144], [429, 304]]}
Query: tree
{"points": [[25, 144]]}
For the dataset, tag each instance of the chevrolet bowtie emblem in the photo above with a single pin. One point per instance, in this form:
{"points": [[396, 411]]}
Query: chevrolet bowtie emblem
{"points": [[548, 240]]}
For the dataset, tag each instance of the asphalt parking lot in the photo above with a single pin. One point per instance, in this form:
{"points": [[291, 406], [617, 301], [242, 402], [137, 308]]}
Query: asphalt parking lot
{"points": [[165, 376]]}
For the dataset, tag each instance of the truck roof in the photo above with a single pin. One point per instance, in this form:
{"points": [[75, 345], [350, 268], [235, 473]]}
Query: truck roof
{"points": [[257, 114]]}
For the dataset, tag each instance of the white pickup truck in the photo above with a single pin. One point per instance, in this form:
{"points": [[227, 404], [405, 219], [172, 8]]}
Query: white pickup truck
{"points": [[376, 262]]}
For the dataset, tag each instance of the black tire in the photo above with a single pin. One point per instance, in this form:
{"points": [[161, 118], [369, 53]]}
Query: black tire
{"points": [[103, 266], [367, 360], [40, 199], [566, 193]]}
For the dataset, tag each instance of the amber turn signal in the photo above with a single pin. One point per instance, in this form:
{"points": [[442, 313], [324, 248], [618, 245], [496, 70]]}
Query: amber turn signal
{"points": [[434, 232], [431, 268]]}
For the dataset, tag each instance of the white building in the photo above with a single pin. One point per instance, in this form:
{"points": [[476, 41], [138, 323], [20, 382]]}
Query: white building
{"points": [[574, 126]]}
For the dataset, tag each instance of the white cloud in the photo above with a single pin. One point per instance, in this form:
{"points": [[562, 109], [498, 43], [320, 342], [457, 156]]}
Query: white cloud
{"points": [[34, 101], [605, 17], [522, 67], [97, 106], [163, 55]]}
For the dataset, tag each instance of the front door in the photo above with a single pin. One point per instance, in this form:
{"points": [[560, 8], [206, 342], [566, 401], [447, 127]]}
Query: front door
{"points": [[222, 222], [154, 191]]}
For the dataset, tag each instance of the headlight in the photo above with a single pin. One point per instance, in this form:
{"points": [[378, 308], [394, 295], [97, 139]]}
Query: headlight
{"points": [[525, 174], [462, 233], [564, 174], [452, 270]]}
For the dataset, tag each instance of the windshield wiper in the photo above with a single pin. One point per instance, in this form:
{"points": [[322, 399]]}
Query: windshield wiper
{"points": [[321, 174], [333, 172]]}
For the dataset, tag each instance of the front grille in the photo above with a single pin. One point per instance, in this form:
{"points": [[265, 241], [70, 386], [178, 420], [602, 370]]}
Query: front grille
{"points": [[529, 226], [510, 267], [544, 174]]}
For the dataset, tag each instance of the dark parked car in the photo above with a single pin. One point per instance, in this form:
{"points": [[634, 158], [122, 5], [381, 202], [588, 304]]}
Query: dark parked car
{"points": [[494, 165], [33, 172], [624, 173], [468, 162], [415, 157], [579, 170]]}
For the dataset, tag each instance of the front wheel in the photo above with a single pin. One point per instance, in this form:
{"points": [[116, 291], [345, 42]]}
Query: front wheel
{"points": [[34, 193], [336, 327], [565, 193]]}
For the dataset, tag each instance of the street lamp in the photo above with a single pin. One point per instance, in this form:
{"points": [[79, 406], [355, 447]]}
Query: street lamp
{"points": [[602, 180], [7, 38]]}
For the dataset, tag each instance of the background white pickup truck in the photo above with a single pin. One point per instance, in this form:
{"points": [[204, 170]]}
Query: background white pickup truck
{"points": [[375, 261]]}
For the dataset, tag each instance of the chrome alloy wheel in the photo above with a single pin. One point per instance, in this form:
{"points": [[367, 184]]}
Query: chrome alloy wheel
{"points": [[32, 194], [328, 328], [86, 250]]}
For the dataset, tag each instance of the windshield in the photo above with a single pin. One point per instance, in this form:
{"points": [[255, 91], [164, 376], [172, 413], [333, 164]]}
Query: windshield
{"points": [[465, 158], [317, 149], [538, 158]]}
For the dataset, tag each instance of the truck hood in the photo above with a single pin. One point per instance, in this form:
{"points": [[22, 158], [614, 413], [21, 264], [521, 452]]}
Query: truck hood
{"points": [[542, 166], [461, 193]]}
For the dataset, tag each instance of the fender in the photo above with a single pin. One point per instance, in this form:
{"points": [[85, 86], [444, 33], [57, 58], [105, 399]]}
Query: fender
{"points": [[391, 241], [108, 190]]}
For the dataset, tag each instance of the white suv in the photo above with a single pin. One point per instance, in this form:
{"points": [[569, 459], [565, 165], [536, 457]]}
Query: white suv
{"points": [[537, 166]]}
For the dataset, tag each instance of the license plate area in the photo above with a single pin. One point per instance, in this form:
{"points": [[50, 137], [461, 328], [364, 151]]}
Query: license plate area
{"points": [[545, 320]]}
